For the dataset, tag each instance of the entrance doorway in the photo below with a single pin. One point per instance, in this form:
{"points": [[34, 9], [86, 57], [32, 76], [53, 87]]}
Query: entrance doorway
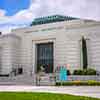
{"points": [[45, 57]]}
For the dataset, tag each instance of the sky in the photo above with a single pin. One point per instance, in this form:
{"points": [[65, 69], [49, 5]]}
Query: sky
{"points": [[20, 13], [13, 6]]}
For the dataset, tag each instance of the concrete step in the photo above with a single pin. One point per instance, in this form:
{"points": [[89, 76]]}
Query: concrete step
{"points": [[17, 80], [46, 80]]}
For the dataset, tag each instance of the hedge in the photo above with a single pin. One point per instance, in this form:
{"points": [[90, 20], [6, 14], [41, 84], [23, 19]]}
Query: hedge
{"points": [[88, 71], [79, 83]]}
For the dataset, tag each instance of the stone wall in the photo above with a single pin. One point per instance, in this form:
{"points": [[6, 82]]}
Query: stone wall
{"points": [[10, 58]]}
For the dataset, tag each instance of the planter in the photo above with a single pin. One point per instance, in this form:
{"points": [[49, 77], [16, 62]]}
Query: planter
{"points": [[83, 77]]}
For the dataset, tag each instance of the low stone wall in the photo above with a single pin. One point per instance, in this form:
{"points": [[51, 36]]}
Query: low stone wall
{"points": [[84, 77], [81, 77]]}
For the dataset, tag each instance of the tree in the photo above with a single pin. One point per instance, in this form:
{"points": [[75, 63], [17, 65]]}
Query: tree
{"points": [[84, 53]]}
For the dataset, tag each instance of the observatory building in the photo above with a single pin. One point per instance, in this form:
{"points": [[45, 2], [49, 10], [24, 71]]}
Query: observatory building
{"points": [[50, 42]]}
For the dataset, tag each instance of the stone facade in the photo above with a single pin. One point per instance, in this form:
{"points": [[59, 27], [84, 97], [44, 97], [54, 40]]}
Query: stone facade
{"points": [[19, 47], [66, 37], [10, 53]]}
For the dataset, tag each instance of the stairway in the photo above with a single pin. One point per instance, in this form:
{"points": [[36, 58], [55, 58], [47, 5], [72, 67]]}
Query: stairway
{"points": [[45, 80], [6, 81], [17, 80]]}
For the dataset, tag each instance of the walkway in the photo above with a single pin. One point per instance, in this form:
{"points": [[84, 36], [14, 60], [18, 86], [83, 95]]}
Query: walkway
{"points": [[91, 91]]}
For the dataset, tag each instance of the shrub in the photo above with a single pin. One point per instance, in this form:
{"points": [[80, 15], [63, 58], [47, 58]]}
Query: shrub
{"points": [[84, 72], [83, 83], [68, 72], [78, 72], [76, 82], [79, 83], [91, 72], [91, 82], [68, 84], [64, 83]]}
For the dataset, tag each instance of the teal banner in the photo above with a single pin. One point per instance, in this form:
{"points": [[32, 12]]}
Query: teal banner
{"points": [[63, 74]]}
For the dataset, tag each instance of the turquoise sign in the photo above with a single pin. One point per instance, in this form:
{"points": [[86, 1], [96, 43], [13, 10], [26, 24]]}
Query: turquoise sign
{"points": [[63, 74]]}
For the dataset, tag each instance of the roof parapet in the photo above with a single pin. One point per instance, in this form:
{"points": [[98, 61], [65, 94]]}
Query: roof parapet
{"points": [[52, 19]]}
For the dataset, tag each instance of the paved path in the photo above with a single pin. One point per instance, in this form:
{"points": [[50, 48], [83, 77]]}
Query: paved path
{"points": [[91, 91]]}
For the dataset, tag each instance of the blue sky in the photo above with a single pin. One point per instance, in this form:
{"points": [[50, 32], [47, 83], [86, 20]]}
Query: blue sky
{"points": [[13, 6], [20, 13]]}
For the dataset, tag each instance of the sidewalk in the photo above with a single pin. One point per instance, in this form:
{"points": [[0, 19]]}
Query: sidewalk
{"points": [[90, 91]]}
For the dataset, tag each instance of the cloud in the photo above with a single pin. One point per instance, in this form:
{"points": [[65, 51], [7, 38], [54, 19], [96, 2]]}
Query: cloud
{"points": [[2, 13], [8, 23], [21, 19], [88, 9]]}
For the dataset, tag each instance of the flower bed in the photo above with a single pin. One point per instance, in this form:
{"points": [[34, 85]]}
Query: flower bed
{"points": [[79, 83]]}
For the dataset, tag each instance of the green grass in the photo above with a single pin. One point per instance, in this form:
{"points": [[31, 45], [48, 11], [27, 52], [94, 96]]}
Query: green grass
{"points": [[40, 96]]}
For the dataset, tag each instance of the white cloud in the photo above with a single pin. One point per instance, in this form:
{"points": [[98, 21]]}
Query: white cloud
{"points": [[88, 9], [2, 13], [79, 8], [21, 19]]}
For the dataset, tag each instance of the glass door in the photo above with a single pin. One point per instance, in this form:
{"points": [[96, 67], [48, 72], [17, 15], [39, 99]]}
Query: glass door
{"points": [[45, 57]]}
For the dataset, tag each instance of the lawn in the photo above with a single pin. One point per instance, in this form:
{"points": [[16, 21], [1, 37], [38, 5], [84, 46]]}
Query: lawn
{"points": [[39, 96]]}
